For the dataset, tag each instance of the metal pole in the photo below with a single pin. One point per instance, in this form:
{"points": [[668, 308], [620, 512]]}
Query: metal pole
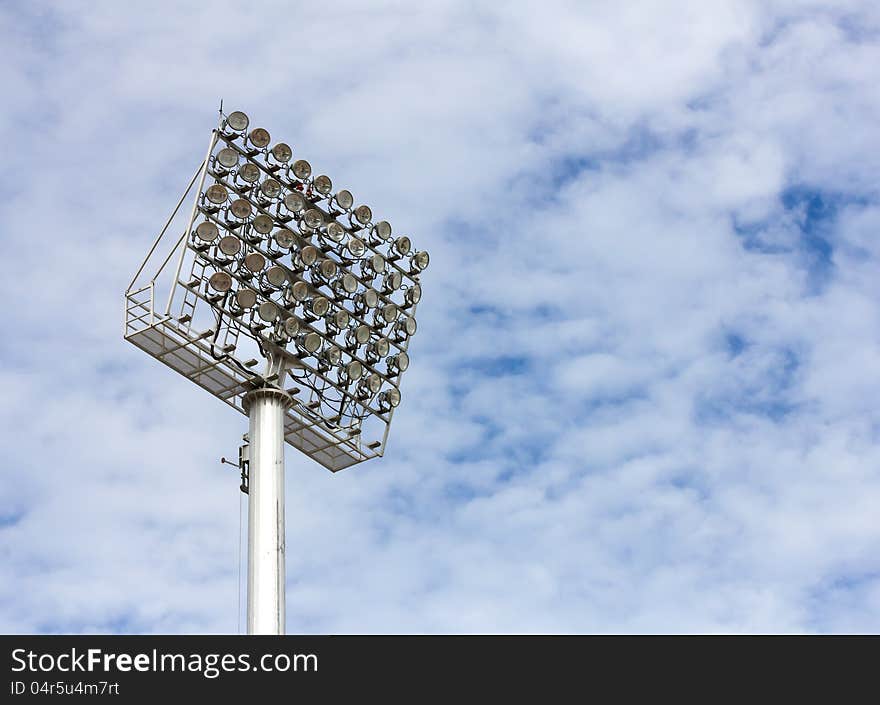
{"points": [[265, 592]]}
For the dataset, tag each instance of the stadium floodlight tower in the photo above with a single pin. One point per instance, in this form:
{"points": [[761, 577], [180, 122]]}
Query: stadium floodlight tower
{"points": [[273, 264]]}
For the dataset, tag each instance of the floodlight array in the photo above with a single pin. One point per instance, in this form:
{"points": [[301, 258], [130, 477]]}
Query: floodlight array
{"points": [[309, 275]]}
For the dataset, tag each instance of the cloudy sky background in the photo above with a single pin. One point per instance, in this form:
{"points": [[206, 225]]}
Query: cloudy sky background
{"points": [[644, 391]]}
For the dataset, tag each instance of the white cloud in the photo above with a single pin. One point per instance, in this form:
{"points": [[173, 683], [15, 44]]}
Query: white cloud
{"points": [[641, 397]]}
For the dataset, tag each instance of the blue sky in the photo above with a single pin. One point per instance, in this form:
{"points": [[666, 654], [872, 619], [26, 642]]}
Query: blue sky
{"points": [[643, 390]]}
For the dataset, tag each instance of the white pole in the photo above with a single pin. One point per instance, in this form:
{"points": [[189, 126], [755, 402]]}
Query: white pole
{"points": [[265, 591]]}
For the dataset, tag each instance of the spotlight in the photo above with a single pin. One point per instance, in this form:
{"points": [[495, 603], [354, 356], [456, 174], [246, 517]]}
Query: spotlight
{"points": [[374, 383], [270, 188], [246, 298], [302, 170], [268, 311], [311, 342], [347, 283], [282, 152], [263, 224], [255, 262], [362, 334], [320, 306], [284, 239], [216, 193], [413, 294], [291, 326], [398, 362], [393, 281], [220, 281], [390, 398], [380, 347], [259, 138], [419, 261], [308, 255], [300, 291], [402, 245], [238, 121], [341, 318], [356, 247], [249, 172], [363, 214], [368, 299], [335, 231], [344, 199], [276, 276], [228, 157], [241, 208], [389, 313], [332, 355], [230, 245], [207, 231], [382, 230], [312, 218], [375, 264], [354, 370], [294, 202], [322, 184], [327, 269]]}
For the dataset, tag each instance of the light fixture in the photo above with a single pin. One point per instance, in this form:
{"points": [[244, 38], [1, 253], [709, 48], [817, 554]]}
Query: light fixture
{"points": [[389, 312], [311, 342], [419, 261], [274, 266], [228, 157], [380, 347], [220, 281], [362, 334], [241, 208], [413, 294], [270, 188], [246, 298], [332, 355], [308, 255], [230, 245], [312, 218], [356, 247], [291, 326], [238, 121], [390, 398], [363, 214], [263, 224], [294, 202], [284, 239], [344, 199], [302, 170], [282, 152], [249, 172], [348, 283], [320, 306], [322, 184], [374, 383], [402, 245], [368, 299], [259, 137], [276, 276], [382, 230], [255, 262], [392, 281], [216, 193], [376, 264], [268, 311], [300, 291], [327, 269], [207, 231], [335, 231]]}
